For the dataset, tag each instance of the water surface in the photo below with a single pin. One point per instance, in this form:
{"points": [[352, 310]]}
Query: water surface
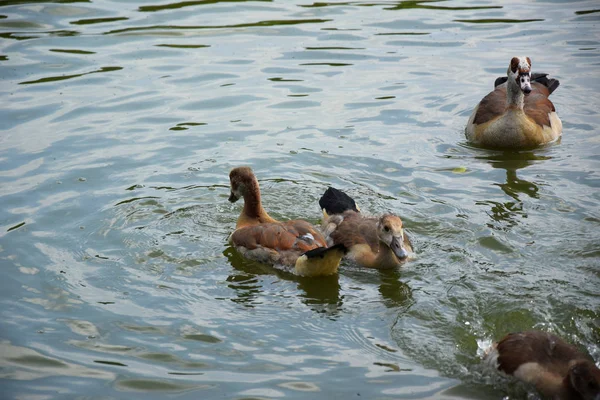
{"points": [[121, 120]]}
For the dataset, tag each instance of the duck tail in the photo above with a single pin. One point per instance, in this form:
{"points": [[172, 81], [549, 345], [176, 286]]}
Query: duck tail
{"points": [[334, 201], [500, 80], [320, 261], [551, 83]]}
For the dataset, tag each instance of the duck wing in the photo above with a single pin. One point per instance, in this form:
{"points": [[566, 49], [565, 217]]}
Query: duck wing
{"points": [[295, 235], [537, 105], [491, 106], [355, 230]]}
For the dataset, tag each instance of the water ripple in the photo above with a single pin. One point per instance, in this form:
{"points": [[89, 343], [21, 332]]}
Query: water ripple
{"points": [[119, 129]]}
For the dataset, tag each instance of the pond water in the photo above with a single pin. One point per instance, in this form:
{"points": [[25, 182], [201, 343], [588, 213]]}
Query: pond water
{"points": [[120, 121]]}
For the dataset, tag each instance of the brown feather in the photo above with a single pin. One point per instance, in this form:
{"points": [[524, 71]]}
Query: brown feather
{"points": [[262, 238], [279, 236], [361, 236], [537, 105], [514, 64], [491, 106], [535, 346], [557, 369], [356, 229]]}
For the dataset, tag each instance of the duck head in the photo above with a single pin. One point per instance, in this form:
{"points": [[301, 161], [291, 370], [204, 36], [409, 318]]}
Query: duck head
{"points": [[584, 377], [241, 180], [519, 71], [391, 233]]}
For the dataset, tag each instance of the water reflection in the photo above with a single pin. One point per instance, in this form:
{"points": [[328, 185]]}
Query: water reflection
{"points": [[141, 251], [183, 4], [514, 187], [98, 20], [243, 281], [401, 5], [22, 363], [512, 162], [65, 77], [72, 51], [20, 2], [396, 293], [36, 35], [321, 294], [497, 21], [197, 27]]}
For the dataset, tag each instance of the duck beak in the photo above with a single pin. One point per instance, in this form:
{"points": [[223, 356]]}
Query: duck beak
{"points": [[397, 247], [233, 198]]}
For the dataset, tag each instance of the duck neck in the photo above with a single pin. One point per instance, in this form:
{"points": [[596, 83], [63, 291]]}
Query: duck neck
{"points": [[514, 95], [252, 203]]}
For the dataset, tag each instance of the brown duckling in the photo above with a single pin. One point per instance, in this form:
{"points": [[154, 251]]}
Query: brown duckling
{"points": [[557, 369], [260, 237], [372, 242]]}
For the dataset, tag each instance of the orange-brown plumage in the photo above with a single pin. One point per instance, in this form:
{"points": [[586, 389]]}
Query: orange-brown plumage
{"points": [[260, 237], [290, 235]]}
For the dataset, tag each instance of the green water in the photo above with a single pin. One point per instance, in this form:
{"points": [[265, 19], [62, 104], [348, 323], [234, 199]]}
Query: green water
{"points": [[120, 121]]}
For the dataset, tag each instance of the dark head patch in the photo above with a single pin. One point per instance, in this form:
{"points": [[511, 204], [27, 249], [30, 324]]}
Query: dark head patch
{"points": [[514, 64], [240, 173]]}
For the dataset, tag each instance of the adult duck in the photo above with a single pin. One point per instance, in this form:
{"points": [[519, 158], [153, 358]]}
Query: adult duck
{"points": [[372, 242], [258, 236], [517, 114], [557, 369]]}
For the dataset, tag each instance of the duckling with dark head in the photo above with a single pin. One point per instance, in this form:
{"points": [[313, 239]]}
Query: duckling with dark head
{"points": [[259, 237], [372, 242]]}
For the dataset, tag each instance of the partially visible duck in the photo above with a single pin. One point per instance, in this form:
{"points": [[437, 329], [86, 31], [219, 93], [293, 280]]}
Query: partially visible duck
{"points": [[557, 369], [257, 236], [372, 242], [518, 113]]}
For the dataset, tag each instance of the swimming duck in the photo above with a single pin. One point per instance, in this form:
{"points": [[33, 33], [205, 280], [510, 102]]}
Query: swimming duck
{"points": [[260, 237], [518, 113], [372, 242], [557, 369]]}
